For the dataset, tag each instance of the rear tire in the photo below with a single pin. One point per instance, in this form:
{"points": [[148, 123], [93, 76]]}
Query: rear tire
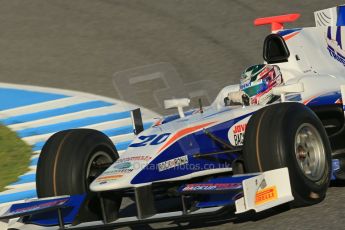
{"points": [[290, 135]]}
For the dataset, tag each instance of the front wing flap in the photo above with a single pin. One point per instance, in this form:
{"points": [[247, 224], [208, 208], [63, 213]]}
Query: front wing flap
{"points": [[265, 191]]}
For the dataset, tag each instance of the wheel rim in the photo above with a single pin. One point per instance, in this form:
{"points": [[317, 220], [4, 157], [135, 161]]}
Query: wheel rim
{"points": [[99, 162], [310, 152]]}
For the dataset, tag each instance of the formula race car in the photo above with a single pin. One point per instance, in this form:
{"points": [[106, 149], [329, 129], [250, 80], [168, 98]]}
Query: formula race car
{"points": [[276, 138]]}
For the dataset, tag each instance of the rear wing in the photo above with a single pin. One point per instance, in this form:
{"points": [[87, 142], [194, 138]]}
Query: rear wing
{"points": [[334, 16]]}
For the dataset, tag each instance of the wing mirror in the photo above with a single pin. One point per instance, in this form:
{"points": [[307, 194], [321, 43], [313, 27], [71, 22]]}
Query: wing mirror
{"points": [[284, 89], [177, 103]]}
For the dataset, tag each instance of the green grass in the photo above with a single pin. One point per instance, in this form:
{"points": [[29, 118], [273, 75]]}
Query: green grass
{"points": [[14, 157]]}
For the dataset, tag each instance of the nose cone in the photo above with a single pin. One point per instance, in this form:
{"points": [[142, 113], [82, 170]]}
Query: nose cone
{"points": [[120, 174], [140, 154], [111, 182]]}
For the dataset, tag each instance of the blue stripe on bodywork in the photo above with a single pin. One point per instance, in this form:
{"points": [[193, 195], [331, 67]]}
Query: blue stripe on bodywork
{"points": [[72, 124], [217, 113], [17, 196], [341, 16], [13, 98], [325, 99], [225, 199], [173, 117], [55, 112], [329, 33], [338, 37], [288, 31]]}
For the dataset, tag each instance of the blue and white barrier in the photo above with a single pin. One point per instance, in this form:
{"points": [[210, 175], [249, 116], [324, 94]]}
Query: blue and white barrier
{"points": [[36, 113]]}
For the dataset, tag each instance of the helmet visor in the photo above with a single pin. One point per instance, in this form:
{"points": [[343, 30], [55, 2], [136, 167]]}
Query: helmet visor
{"points": [[255, 89]]}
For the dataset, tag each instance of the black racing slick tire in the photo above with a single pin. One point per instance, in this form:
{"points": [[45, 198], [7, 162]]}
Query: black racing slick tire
{"points": [[290, 135], [67, 163]]}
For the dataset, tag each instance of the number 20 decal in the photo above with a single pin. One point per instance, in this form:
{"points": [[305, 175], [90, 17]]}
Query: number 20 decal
{"points": [[151, 140]]}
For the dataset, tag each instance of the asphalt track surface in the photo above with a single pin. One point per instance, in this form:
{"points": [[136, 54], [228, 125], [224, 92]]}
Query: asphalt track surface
{"points": [[81, 45]]}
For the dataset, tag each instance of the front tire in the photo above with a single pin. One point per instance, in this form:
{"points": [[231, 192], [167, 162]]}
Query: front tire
{"points": [[71, 159], [290, 135]]}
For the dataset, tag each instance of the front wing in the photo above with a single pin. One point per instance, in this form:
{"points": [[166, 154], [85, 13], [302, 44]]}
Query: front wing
{"points": [[246, 192]]}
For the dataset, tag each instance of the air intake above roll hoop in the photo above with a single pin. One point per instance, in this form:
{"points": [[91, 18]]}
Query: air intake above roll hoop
{"points": [[277, 22]]}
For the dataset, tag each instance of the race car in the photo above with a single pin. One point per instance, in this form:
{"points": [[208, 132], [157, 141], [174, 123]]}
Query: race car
{"points": [[277, 138]]}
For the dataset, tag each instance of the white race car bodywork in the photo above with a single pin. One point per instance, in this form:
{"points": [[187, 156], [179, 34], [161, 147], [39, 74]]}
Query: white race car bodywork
{"points": [[140, 157], [312, 70]]}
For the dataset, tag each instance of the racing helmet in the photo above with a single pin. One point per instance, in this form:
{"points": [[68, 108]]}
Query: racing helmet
{"points": [[257, 82]]}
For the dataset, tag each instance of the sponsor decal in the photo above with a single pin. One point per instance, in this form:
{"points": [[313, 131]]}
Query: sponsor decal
{"points": [[117, 171], [239, 128], [124, 165], [172, 163], [336, 55], [212, 187], [236, 132], [335, 46], [108, 178], [124, 170], [249, 84], [39, 206], [136, 158], [150, 140], [266, 195], [245, 85]]}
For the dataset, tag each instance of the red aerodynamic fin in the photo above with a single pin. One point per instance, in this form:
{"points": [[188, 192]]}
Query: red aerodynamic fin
{"points": [[277, 22]]}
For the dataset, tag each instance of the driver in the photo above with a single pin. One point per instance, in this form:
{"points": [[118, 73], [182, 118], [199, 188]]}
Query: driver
{"points": [[256, 85]]}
